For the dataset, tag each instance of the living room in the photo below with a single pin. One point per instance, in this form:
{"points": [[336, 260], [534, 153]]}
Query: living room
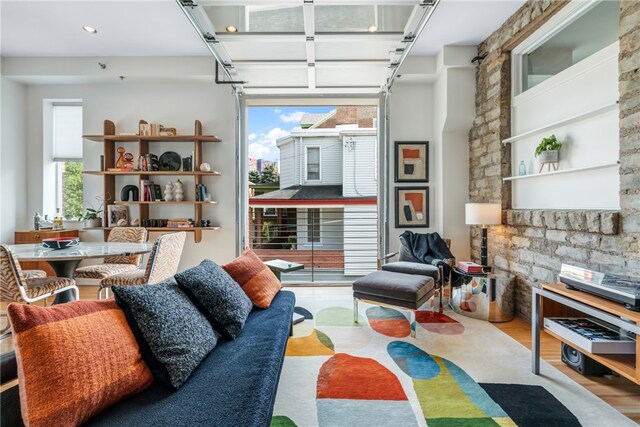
{"points": [[366, 212]]}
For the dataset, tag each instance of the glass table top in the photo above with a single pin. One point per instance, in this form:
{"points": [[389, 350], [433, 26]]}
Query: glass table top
{"points": [[37, 252]]}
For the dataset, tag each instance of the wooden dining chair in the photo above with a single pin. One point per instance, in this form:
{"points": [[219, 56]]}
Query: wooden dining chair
{"points": [[162, 264], [116, 264], [15, 287]]}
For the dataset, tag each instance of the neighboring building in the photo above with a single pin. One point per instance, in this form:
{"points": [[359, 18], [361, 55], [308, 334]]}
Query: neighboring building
{"points": [[262, 164], [328, 183], [253, 164]]}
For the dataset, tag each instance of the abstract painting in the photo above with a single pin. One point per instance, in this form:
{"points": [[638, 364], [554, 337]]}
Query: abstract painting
{"points": [[412, 161], [412, 207]]}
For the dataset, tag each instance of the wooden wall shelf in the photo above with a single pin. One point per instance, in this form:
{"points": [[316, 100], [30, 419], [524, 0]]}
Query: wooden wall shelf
{"points": [[109, 138]]}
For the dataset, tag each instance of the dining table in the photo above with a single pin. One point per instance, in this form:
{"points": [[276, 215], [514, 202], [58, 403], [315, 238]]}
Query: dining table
{"points": [[65, 261]]}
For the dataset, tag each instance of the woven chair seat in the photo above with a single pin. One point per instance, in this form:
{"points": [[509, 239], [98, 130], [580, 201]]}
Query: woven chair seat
{"points": [[103, 271], [34, 274], [136, 277], [42, 286]]}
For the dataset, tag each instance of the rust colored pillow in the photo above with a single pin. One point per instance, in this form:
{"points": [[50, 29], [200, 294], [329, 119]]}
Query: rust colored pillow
{"points": [[255, 278], [74, 360]]}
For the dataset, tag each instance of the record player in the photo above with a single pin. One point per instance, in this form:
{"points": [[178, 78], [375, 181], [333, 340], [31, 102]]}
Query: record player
{"points": [[621, 289]]}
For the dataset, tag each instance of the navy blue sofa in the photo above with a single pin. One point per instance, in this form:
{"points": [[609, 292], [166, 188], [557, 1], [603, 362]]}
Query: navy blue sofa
{"points": [[235, 385]]}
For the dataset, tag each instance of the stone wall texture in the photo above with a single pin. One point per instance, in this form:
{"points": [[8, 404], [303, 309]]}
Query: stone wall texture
{"points": [[532, 244]]}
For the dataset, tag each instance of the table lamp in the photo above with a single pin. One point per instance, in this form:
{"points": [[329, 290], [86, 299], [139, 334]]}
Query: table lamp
{"points": [[483, 214]]}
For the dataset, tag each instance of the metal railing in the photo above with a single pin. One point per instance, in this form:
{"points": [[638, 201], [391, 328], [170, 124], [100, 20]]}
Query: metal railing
{"points": [[335, 245]]}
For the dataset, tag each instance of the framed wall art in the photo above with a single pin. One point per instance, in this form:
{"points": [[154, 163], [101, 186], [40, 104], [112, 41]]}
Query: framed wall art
{"points": [[412, 207], [412, 161], [118, 216]]}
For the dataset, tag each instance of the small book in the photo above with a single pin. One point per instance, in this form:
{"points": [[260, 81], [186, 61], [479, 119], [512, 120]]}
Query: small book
{"points": [[469, 267]]}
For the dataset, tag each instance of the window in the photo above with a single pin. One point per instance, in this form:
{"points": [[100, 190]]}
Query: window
{"points": [[67, 156], [313, 225], [590, 32], [313, 163]]}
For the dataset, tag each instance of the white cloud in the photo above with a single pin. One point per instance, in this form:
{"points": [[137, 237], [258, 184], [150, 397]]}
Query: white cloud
{"points": [[277, 111], [252, 136], [265, 145], [296, 116]]}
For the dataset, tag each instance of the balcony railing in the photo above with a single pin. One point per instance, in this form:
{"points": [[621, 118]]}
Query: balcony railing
{"points": [[335, 245]]}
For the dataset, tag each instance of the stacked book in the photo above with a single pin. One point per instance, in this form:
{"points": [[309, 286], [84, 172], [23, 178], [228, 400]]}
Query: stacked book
{"points": [[180, 223], [469, 267], [149, 191]]}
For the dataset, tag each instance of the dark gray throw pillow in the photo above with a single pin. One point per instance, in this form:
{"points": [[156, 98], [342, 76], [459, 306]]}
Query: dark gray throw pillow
{"points": [[172, 334], [217, 295]]}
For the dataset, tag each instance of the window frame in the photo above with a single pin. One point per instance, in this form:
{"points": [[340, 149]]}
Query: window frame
{"points": [[309, 226], [558, 22], [306, 163]]}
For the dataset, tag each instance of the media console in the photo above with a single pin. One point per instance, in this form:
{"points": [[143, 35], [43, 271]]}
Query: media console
{"points": [[555, 300]]}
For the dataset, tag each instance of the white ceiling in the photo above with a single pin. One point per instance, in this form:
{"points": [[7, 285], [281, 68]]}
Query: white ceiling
{"points": [[53, 28]]}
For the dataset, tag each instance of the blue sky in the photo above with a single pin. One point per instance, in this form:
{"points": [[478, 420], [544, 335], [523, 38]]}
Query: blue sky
{"points": [[267, 124]]}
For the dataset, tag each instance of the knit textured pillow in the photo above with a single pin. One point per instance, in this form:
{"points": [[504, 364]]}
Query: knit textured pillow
{"points": [[173, 335], [74, 360], [217, 295], [256, 279]]}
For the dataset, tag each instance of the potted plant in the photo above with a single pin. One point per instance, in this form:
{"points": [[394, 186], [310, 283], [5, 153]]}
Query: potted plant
{"points": [[547, 150], [92, 218]]}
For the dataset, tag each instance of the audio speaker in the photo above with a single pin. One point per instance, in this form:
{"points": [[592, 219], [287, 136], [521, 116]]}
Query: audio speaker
{"points": [[581, 363]]}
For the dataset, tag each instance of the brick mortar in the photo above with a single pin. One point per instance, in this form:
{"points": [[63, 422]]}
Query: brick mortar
{"points": [[532, 244]]}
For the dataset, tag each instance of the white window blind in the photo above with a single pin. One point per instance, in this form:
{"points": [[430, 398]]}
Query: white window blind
{"points": [[67, 133]]}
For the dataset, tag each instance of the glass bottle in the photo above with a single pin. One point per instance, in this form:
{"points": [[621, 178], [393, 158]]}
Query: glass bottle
{"points": [[57, 220], [522, 169]]}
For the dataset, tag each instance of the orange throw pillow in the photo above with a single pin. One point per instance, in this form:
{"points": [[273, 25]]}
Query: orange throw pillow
{"points": [[255, 278], [74, 360]]}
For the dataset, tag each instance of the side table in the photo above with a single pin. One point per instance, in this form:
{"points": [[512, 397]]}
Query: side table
{"points": [[279, 266], [487, 296]]}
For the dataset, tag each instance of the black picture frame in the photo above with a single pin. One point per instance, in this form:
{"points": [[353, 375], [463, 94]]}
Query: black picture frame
{"points": [[419, 215], [418, 166]]}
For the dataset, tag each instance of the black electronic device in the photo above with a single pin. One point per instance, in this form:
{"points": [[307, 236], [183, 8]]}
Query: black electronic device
{"points": [[581, 363], [618, 288]]}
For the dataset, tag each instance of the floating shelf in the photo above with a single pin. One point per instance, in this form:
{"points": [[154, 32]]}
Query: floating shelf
{"points": [[155, 138], [162, 202], [558, 172], [192, 173], [564, 122]]}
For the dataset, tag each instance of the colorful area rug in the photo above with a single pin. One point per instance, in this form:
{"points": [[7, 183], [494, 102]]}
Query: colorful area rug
{"points": [[458, 372]]}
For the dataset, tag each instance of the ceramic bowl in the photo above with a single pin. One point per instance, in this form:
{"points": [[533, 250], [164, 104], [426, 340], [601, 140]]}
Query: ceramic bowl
{"points": [[60, 242]]}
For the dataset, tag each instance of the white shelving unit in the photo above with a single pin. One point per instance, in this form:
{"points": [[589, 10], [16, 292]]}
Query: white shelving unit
{"points": [[562, 123], [558, 172]]}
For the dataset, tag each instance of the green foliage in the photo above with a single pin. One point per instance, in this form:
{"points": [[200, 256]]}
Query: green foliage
{"points": [[91, 214], [268, 230], [268, 175], [72, 190], [254, 176], [549, 143]]}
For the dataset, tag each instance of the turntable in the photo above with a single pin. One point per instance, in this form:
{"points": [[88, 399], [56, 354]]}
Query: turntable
{"points": [[618, 288]]}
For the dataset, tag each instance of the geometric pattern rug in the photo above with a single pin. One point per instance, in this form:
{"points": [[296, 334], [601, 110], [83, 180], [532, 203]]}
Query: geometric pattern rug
{"points": [[458, 372]]}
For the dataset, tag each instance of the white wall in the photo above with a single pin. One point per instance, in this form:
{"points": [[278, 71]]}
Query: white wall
{"points": [[15, 166], [330, 160], [411, 112], [287, 165], [176, 105]]}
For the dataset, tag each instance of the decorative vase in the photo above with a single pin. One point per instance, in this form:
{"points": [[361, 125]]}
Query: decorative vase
{"points": [[168, 192], [205, 167], [548, 156], [178, 190]]}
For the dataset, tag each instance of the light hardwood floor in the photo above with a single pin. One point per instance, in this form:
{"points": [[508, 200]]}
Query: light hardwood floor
{"points": [[620, 393]]}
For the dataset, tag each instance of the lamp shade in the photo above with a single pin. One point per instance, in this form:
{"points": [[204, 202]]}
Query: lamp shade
{"points": [[483, 213]]}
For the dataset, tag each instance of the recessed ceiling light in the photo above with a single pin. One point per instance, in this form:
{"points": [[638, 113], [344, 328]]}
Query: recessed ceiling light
{"points": [[232, 29], [373, 29], [89, 29]]}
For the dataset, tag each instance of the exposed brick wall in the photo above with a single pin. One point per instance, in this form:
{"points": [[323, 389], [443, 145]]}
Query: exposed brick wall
{"points": [[361, 115], [532, 244]]}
